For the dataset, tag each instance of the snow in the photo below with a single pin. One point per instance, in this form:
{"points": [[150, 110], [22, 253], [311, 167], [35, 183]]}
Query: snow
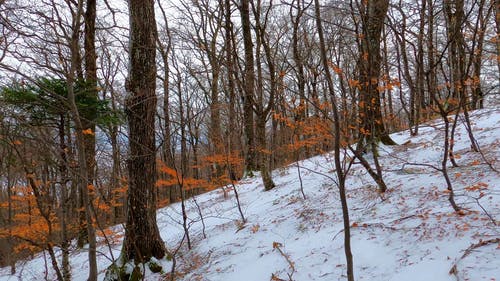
{"points": [[409, 233]]}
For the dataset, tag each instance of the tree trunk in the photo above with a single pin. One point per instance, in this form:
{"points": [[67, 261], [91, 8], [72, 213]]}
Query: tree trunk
{"points": [[82, 146], [215, 108], [336, 146], [299, 67], [11, 254], [431, 61], [497, 21], [249, 84], [454, 11], [87, 122], [420, 82], [264, 155], [117, 200], [63, 170], [373, 16], [262, 110], [477, 55], [184, 163], [404, 68], [232, 135], [142, 237], [167, 153]]}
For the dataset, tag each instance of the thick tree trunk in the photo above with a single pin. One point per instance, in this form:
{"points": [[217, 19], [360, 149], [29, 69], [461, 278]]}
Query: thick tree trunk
{"points": [[455, 18], [142, 237], [264, 155], [454, 10], [249, 84], [373, 16]]}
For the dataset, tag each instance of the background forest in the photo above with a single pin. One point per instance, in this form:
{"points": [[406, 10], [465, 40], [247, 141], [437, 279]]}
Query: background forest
{"points": [[111, 109]]}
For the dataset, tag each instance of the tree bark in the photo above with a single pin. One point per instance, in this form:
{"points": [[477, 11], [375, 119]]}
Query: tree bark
{"points": [[81, 143], [88, 124], [497, 21], [373, 16], [249, 84], [261, 109], [341, 176], [233, 139], [63, 170], [142, 237]]}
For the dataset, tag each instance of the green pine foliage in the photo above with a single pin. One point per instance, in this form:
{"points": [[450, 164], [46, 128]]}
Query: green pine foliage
{"points": [[44, 100]]}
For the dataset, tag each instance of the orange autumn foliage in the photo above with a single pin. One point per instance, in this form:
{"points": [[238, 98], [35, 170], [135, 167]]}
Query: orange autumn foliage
{"points": [[29, 226], [223, 168], [171, 177]]}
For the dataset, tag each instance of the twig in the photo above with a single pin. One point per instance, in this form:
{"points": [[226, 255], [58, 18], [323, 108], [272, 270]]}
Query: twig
{"points": [[479, 150], [469, 250], [277, 246], [335, 236], [484, 210], [422, 165], [318, 173]]}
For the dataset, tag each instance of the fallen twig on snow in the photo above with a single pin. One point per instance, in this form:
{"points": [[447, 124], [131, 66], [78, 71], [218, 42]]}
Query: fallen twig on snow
{"points": [[277, 246], [469, 250]]}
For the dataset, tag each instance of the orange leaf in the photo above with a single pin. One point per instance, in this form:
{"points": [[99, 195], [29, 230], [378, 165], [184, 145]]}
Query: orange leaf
{"points": [[88, 132]]}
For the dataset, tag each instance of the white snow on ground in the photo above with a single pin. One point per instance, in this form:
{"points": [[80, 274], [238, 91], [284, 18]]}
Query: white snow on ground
{"points": [[409, 233]]}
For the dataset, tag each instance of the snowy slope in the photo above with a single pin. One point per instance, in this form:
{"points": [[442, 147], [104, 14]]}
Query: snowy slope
{"points": [[410, 233]]}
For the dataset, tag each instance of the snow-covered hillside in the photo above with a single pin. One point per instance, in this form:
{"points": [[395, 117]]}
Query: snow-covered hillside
{"points": [[409, 233]]}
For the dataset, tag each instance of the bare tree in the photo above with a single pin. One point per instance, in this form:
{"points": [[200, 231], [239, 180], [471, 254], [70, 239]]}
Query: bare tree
{"points": [[339, 168], [373, 14], [249, 87], [142, 238]]}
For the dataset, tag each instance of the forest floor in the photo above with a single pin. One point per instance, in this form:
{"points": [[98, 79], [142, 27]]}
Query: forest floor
{"points": [[409, 233]]}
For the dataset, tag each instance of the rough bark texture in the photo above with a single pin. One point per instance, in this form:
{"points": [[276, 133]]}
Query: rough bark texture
{"points": [[373, 16], [267, 179], [232, 134], [454, 20], [142, 238], [477, 55], [261, 109], [430, 75], [63, 169], [87, 122], [249, 84]]}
